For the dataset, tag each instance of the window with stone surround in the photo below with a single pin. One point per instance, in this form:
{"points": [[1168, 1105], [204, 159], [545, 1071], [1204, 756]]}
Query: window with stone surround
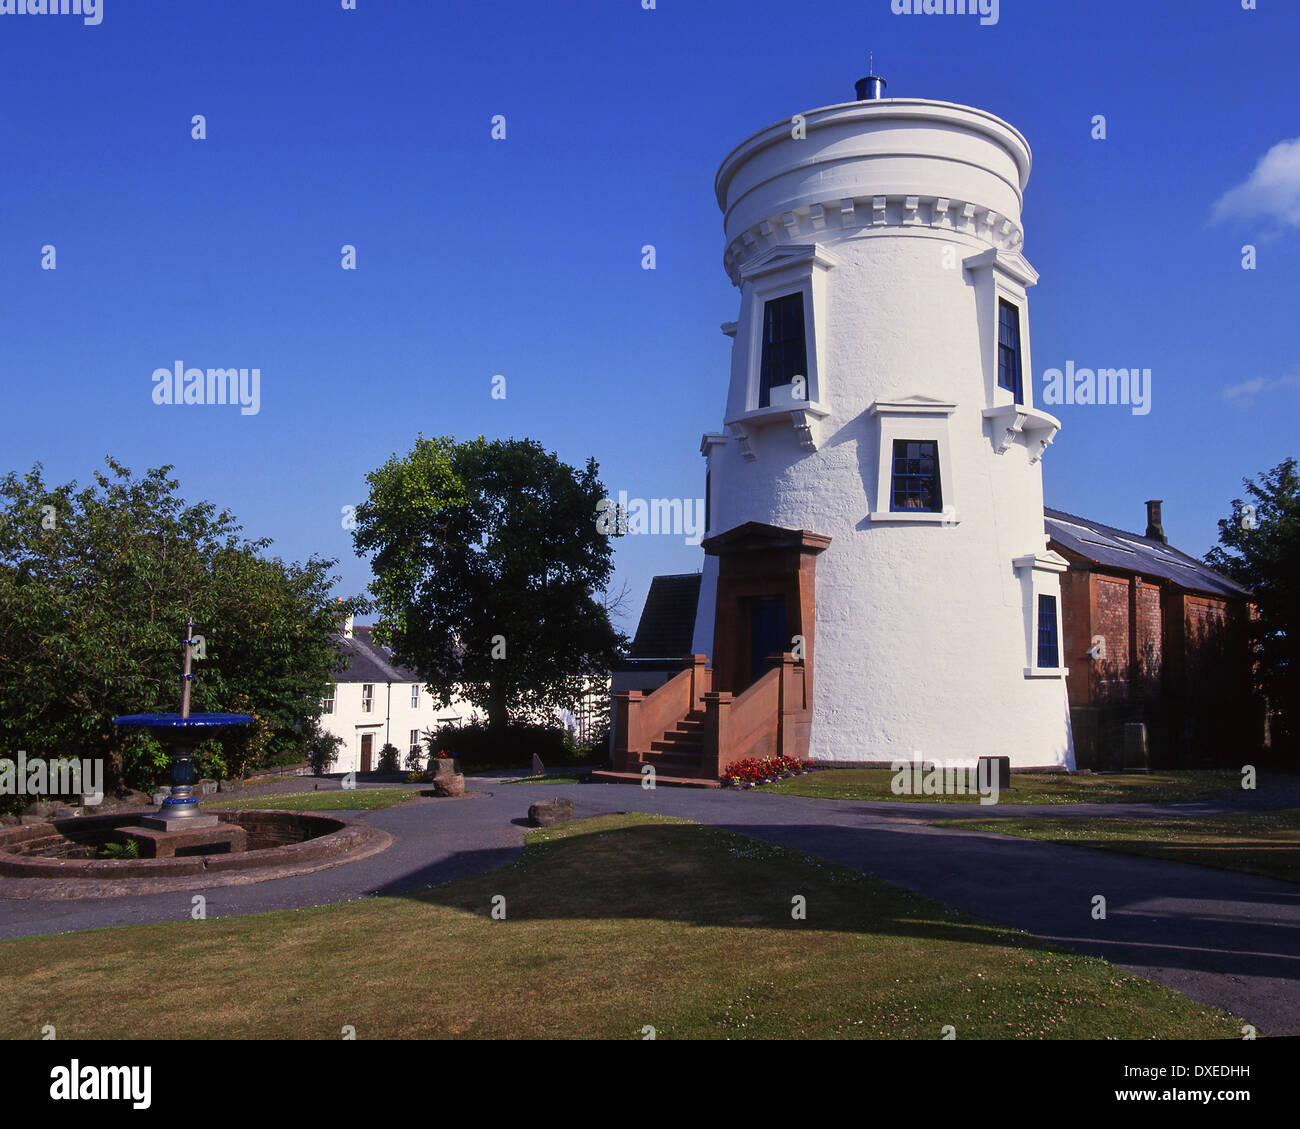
{"points": [[914, 479], [1040, 578]]}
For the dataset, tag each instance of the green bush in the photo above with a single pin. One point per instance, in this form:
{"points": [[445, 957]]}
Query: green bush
{"points": [[479, 748], [322, 749], [388, 759]]}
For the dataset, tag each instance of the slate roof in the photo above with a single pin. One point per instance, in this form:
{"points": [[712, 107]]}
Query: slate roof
{"points": [[667, 625], [369, 662], [1108, 547]]}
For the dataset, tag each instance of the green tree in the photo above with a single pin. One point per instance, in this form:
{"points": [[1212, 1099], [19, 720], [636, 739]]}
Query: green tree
{"points": [[489, 568], [96, 585], [1259, 547]]}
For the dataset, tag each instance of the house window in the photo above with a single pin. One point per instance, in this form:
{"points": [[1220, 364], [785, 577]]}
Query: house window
{"points": [[785, 350], [1009, 368], [915, 483], [1048, 650], [415, 696], [415, 741], [367, 697], [328, 705]]}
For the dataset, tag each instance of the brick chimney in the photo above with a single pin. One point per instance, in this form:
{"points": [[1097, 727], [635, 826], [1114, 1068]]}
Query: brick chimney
{"points": [[1155, 530]]}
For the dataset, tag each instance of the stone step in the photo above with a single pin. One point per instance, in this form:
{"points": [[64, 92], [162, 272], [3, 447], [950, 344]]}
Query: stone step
{"points": [[674, 744], [688, 765]]}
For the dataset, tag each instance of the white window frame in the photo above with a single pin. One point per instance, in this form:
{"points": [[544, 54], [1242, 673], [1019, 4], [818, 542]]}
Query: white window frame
{"points": [[367, 697], [797, 268], [1040, 575], [998, 274], [415, 695], [327, 704], [913, 419]]}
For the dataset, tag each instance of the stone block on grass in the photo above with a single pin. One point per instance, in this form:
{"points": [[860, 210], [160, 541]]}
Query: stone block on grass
{"points": [[452, 784], [547, 813]]}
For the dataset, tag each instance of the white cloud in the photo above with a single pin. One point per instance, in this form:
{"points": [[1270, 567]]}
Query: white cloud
{"points": [[1271, 191], [1245, 392]]}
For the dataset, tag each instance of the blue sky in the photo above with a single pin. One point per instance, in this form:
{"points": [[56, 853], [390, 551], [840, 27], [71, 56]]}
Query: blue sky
{"points": [[522, 257]]}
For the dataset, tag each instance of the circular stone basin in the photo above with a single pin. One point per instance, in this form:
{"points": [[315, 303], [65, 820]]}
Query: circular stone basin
{"points": [[65, 853]]}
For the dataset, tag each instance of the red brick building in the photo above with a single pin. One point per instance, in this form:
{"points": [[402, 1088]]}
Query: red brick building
{"points": [[1153, 635]]}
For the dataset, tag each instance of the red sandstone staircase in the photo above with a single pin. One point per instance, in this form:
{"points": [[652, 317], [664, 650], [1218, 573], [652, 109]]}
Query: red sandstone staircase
{"points": [[689, 733]]}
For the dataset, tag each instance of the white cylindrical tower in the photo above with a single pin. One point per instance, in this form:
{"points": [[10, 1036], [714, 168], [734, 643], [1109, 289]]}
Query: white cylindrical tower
{"points": [[881, 397]]}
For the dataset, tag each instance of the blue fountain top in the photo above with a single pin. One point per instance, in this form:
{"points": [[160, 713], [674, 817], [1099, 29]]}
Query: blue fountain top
{"points": [[175, 721]]}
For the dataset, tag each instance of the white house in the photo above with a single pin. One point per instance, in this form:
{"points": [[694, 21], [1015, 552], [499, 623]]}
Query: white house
{"points": [[875, 496], [377, 702]]}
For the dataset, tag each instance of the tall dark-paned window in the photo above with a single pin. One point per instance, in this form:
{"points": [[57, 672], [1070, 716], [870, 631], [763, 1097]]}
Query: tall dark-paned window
{"points": [[915, 484], [785, 352], [1009, 349], [1048, 650]]}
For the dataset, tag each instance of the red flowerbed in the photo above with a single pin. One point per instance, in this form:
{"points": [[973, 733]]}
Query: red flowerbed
{"points": [[752, 771]]}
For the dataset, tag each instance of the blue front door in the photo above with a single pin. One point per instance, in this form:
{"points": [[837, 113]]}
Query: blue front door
{"points": [[767, 634]]}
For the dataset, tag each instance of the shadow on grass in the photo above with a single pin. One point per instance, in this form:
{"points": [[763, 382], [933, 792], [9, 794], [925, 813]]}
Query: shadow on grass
{"points": [[709, 876], [705, 877]]}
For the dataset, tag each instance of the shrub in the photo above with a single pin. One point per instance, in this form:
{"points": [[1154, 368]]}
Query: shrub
{"points": [[128, 850], [513, 746], [389, 759], [322, 749]]}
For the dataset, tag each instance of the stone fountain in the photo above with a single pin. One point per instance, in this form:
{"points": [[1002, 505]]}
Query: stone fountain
{"points": [[179, 823]]}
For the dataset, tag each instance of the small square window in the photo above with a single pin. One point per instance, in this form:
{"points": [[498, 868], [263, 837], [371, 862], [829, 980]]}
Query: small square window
{"points": [[1049, 652], [915, 482]]}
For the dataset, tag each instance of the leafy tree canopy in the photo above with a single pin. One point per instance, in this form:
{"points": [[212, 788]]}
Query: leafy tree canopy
{"points": [[96, 585], [489, 569], [1259, 547]]}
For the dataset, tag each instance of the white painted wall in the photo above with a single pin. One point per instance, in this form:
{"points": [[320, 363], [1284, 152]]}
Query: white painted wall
{"points": [[922, 640], [388, 722]]}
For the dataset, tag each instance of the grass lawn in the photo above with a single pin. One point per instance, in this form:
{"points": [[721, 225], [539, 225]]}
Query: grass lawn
{"points": [[336, 799], [613, 924], [1266, 843], [1026, 788]]}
